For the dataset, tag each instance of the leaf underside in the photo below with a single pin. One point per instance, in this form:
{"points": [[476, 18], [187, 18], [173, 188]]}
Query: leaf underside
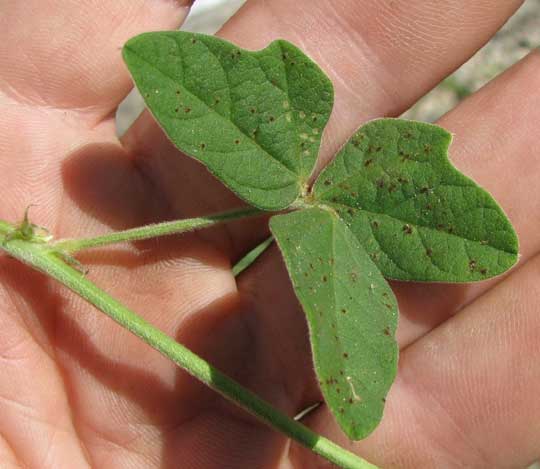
{"points": [[351, 312], [415, 214], [255, 119]]}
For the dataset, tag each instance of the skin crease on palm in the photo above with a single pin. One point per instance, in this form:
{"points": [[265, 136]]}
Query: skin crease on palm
{"points": [[78, 391]]}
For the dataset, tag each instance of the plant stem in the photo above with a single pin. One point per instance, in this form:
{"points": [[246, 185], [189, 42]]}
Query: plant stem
{"points": [[251, 256], [45, 258], [70, 246]]}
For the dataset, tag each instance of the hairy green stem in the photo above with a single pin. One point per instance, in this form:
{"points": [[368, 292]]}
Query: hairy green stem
{"points": [[251, 256], [45, 258], [157, 229]]}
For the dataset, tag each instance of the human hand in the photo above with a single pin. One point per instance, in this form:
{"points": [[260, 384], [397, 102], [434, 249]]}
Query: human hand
{"points": [[79, 391]]}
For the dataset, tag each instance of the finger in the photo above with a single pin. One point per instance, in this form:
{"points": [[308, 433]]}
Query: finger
{"points": [[36, 427], [467, 393], [495, 143], [65, 54], [381, 56]]}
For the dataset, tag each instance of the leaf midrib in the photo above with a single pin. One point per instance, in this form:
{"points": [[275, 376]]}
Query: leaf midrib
{"points": [[416, 225], [212, 111]]}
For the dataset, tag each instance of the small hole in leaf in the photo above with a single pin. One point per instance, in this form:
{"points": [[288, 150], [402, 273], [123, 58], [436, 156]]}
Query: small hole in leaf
{"points": [[203, 146], [345, 355], [324, 279], [187, 110], [351, 400], [271, 118], [176, 110], [424, 190], [429, 252], [386, 331], [193, 41], [327, 182], [178, 92], [380, 183], [483, 271], [343, 310], [237, 141], [368, 162], [472, 264], [407, 229], [252, 110], [427, 148], [375, 224]]}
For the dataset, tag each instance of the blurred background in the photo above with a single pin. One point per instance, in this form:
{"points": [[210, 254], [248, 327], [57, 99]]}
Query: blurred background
{"points": [[512, 42]]}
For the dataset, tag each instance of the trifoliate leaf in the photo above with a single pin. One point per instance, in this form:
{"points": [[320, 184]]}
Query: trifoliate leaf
{"points": [[255, 119], [415, 214], [351, 312]]}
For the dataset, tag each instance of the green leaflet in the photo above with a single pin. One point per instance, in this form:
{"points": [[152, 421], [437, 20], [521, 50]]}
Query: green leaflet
{"points": [[415, 214], [255, 119], [390, 203], [351, 312]]}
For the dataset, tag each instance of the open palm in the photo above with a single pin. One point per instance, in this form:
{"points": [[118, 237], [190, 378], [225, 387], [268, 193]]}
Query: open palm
{"points": [[78, 391]]}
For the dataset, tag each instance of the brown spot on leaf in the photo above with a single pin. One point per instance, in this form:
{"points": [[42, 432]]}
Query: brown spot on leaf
{"points": [[407, 229], [429, 252], [368, 162]]}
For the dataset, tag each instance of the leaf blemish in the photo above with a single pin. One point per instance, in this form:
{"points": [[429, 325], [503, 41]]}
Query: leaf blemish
{"points": [[407, 229], [368, 162]]}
